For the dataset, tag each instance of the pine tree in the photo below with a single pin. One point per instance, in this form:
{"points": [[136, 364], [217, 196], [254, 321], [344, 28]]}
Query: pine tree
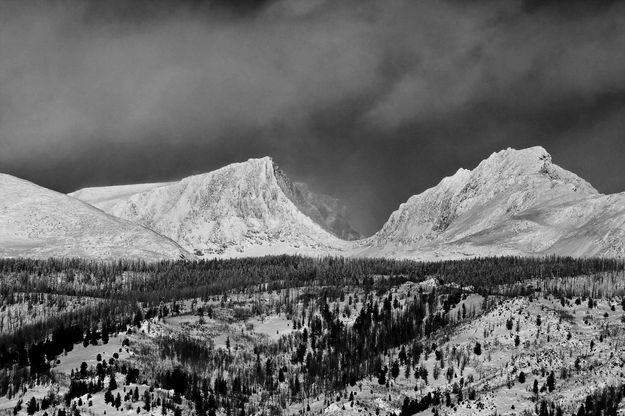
{"points": [[477, 350], [551, 382], [382, 377], [147, 400], [105, 334], [112, 382], [32, 407], [108, 397], [395, 369]]}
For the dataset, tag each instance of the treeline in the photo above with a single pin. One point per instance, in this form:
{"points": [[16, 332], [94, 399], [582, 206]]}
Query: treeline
{"points": [[137, 280]]}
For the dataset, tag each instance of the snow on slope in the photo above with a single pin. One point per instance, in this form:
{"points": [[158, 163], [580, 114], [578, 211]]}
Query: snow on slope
{"points": [[514, 202], [238, 210], [105, 197], [37, 222]]}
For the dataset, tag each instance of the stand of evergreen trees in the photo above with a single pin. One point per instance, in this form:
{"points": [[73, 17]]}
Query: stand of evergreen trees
{"points": [[325, 354], [140, 281]]}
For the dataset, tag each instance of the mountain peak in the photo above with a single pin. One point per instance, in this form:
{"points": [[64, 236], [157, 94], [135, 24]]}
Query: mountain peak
{"points": [[265, 162], [262, 165], [536, 152], [528, 168], [523, 161]]}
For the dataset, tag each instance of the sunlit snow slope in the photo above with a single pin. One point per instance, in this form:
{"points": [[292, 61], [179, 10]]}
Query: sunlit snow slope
{"points": [[39, 223], [514, 202], [238, 210]]}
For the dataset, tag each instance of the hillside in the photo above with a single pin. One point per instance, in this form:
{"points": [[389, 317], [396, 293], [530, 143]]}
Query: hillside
{"points": [[485, 336], [37, 222]]}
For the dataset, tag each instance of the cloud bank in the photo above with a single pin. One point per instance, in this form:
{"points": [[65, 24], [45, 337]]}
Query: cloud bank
{"points": [[368, 100]]}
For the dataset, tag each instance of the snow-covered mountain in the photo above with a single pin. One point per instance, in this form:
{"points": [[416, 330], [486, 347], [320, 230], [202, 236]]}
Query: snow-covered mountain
{"points": [[238, 210], [39, 223], [514, 202]]}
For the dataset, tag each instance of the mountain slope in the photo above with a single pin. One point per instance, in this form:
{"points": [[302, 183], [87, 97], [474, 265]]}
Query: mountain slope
{"points": [[514, 202], [106, 196], [38, 222], [238, 210]]}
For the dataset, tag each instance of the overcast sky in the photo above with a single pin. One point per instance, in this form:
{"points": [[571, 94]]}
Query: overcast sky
{"points": [[369, 101]]}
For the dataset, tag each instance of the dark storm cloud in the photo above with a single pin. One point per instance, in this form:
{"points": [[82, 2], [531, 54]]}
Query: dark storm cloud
{"points": [[372, 101]]}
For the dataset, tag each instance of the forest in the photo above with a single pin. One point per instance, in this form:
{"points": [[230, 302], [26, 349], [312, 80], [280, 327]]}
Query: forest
{"points": [[350, 322]]}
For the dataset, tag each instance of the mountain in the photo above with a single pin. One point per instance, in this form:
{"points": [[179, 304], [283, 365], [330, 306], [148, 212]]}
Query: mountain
{"points": [[515, 202], [238, 210], [38, 222]]}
